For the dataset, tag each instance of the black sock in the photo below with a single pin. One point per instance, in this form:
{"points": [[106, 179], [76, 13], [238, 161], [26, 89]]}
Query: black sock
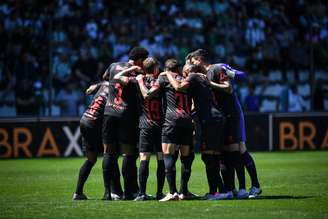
{"points": [[240, 170], [220, 181], [127, 172], [229, 171], [223, 171], [83, 176], [106, 171], [160, 176], [211, 172], [186, 162], [115, 181], [143, 175], [170, 172], [251, 168], [134, 172]]}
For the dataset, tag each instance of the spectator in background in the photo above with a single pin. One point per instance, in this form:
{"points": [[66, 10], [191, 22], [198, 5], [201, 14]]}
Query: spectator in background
{"points": [[252, 101], [295, 101], [85, 69], [318, 97], [26, 103], [68, 99], [61, 71]]}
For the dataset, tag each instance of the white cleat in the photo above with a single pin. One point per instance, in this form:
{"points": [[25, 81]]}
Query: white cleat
{"points": [[170, 197], [254, 192], [116, 197], [242, 194]]}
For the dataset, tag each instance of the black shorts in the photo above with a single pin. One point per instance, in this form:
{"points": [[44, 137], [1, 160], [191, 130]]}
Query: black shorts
{"points": [[150, 140], [232, 130], [177, 135], [211, 136], [120, 130], [91, 138]]}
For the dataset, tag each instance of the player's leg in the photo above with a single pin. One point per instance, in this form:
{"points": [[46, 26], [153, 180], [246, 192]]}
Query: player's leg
{"points": [[211, 138], [128, 137], [233, 163], [160, 173], [235, 160], [109, 133], [128, 170], [251, 169], [187, 157], [143, 176], [89, 144]]}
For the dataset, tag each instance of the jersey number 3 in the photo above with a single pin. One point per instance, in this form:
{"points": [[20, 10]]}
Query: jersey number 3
{"points": [[118, 99]]}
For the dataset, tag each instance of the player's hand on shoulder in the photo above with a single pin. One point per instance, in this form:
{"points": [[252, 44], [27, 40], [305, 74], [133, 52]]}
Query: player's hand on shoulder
{"points": [[137, 69], [91, 89], [163, 73], [140, 77]]}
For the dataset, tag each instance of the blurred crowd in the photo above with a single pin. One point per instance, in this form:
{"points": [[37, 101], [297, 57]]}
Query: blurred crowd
{"points": [[67, 44]]}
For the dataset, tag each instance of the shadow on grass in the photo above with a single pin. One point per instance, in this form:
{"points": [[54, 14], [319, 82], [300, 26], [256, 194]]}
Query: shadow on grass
{"points": [[280, 197]]}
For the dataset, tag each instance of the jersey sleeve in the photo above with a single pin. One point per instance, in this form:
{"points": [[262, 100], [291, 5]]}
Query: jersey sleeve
{"points": [[160, 82], [211, 75]]}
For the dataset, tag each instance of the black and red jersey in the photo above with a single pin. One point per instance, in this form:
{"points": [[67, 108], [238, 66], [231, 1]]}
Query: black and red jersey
{"points": [[122, 99], [151, 109], [205, 102], [225, 100], [176, 104], [95, 110]]}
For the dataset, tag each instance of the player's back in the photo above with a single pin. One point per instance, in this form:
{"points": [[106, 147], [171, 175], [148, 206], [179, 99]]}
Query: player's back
{"points": [[204, 100], [122, 100], [228, 102], [151, 108], [176, 104]]}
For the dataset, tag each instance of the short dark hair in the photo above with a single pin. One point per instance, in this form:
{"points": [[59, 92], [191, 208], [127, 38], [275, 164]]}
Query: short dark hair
{"points": [[137, 53], [201, 54], [150, 64], [172, 65], [197, 69]]}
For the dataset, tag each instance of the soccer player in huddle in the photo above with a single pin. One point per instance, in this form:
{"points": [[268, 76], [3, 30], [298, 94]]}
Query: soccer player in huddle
{"points": [[120, 127], [90, 128], [210, 117], [236, 155], [176, 130], [150, 122]]}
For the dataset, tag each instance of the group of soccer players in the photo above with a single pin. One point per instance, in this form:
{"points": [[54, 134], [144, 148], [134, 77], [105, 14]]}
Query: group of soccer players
{"points": [[137, 111]]}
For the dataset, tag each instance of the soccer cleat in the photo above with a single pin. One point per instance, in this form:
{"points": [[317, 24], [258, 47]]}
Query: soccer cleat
{"points": [[116, 197], [170, 197], [242, 194], [107, 197], [235, 192], [208, 196], [254, 192], [159, 196], [188, 196], [77, 197], [143, 197], [222, 196]]}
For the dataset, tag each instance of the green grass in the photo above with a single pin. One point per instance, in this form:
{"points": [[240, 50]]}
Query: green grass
{"points": [[295, 185]]}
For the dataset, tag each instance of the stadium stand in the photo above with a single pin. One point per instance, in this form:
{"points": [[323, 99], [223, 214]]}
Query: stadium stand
{"points": [[74, 41]]}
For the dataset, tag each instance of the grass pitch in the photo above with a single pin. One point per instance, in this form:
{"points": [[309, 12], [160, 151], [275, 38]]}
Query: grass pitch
{"points": [[295, 185]]}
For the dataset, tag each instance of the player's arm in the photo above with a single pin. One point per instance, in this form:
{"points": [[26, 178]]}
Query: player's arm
{"points": [[224, 86], [146, 93], [92, 89], [234, 73], [178, 86], [121, 76]]}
